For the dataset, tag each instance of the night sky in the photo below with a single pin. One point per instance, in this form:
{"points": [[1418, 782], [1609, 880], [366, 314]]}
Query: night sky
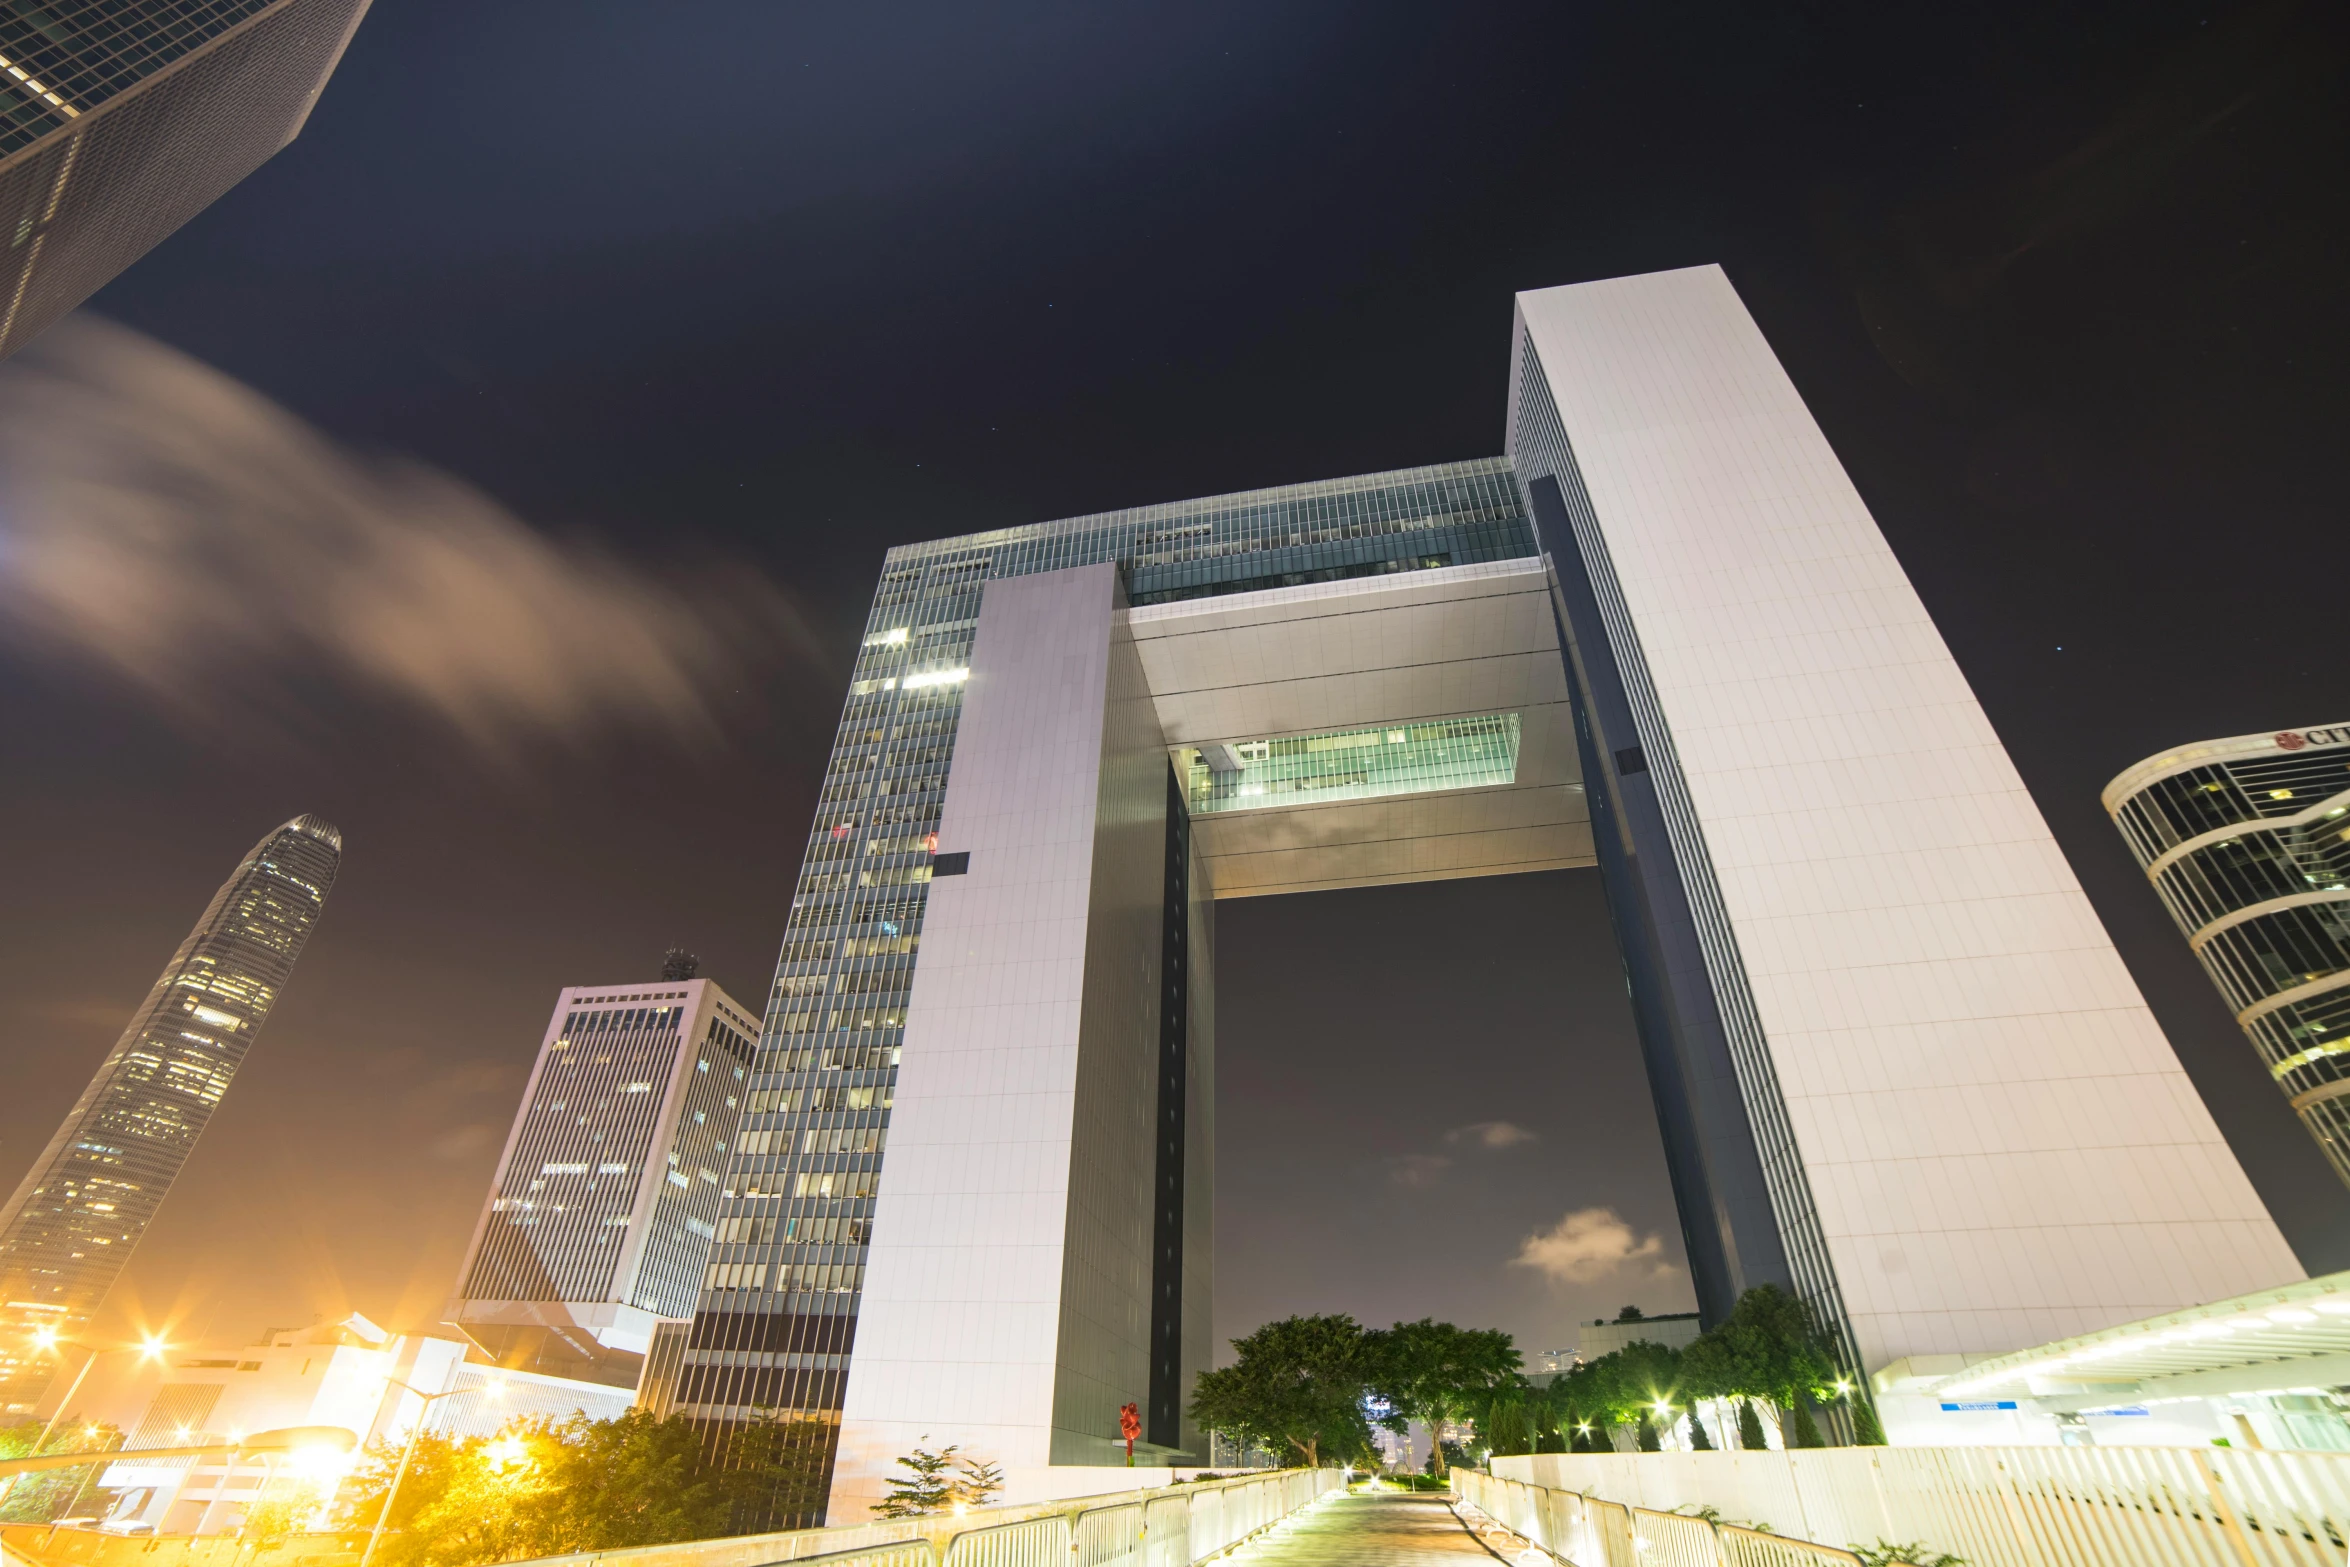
{"points": [[591, 354]]}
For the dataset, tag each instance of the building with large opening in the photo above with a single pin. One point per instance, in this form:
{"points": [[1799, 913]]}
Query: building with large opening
{"points": [[1898, 1065]]}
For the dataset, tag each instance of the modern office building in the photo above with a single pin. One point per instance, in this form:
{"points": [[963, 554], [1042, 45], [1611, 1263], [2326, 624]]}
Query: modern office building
{"points": [[606, 1201], [2247, 841], [1898, 1064], [82, 1207], [122, 119]]}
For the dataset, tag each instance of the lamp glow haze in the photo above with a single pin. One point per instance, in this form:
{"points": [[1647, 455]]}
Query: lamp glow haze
{"points": [[171, 524]]}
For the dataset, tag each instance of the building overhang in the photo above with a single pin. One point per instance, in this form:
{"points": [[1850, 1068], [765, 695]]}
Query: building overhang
{"points": [[1459, 656]]}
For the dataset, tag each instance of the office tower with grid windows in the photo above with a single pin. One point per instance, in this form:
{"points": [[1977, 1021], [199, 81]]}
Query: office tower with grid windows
{"points": [[122, 119], [82, 1208], [599, 1224], [2247, 842], [1898, 1066]]}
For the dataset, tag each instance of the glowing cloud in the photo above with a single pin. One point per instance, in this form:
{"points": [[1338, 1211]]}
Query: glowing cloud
{"points": [[1588, 1244], [171, 524]]}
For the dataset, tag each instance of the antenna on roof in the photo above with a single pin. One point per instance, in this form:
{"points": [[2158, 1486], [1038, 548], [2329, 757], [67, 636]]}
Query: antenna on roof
{"points": [[677, 963]]}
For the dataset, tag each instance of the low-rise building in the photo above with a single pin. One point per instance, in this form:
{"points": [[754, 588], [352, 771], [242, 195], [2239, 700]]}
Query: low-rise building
{"points": [[1675, 1330], [349, 1374]]}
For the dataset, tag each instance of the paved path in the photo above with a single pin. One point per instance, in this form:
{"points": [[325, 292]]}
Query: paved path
{"points": [[1387, 1528]]}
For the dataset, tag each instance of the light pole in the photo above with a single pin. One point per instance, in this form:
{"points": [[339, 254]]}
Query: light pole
{"points": [[383, 1514], [46, 1338]]}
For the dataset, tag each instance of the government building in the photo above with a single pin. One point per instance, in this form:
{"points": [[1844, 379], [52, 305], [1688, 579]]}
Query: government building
{"points": [[1898, 1065]]}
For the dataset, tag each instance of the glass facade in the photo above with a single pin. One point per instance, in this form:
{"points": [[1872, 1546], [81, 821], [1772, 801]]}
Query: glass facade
{"points": [[601, 1146], [122, 119], [1353, 764], [2251, 854], [69, 1229], [66, 57], [778, 1319]]}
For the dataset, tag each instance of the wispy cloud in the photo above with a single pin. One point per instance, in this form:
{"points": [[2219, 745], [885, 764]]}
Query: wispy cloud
{"points": [[1491, 1134], [1588, 1244], [174, 525], [1416, 1170]]}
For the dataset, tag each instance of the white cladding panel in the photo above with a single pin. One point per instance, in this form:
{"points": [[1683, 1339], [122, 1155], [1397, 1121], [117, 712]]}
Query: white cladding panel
{"points": [[995, 1282], [2003, 1148]]}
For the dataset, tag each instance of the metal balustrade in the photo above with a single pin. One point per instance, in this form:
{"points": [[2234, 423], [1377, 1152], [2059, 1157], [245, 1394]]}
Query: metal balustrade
{"points": [[1174, 1526], [1742, 1547], [1991, 1506]]}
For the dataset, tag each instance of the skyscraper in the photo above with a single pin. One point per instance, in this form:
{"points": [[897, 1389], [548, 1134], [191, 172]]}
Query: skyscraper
{"points": [[606, 1200], [77, 1214], [122, 119], [2247, 842], [1898, 1066]]}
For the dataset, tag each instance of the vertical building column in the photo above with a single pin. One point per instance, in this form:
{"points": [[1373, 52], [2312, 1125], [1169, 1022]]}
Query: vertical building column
{"points": [[1008, 1292]]}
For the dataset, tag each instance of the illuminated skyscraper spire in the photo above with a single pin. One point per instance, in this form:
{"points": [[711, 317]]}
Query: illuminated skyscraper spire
{"points": [[69, 1229]]}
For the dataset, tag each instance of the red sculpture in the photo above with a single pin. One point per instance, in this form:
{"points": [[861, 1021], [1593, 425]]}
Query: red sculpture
{"points": [[1130, 1422]]}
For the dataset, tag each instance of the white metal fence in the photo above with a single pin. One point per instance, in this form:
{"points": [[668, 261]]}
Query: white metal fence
{"points": [[1992, 1506], [1175, 1526]]}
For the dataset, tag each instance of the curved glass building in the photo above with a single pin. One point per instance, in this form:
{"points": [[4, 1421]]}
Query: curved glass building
{"points": [[79, 1211], [2248, 843]]}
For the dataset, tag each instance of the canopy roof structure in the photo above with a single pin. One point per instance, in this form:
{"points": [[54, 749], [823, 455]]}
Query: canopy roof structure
{"points": [[2293, 1336]]}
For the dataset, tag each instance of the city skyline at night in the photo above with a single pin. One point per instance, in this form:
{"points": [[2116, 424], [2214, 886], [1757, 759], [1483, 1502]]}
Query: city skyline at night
{"points": [[506, 478]]}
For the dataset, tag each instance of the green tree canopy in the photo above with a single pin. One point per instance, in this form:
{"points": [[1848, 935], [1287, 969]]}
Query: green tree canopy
{"points": [[543, 1488], [1297, 1384], [1433, 1371]]}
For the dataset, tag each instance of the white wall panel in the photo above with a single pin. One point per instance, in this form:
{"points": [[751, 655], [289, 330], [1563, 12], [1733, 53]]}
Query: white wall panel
{"points": [[2001, 1143]]}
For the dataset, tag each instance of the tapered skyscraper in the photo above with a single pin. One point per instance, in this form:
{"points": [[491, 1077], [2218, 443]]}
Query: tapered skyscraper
{"points": [[122, 119], [67, 1232]]}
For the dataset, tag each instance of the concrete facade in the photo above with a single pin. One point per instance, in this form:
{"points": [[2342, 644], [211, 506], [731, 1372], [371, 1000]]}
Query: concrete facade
{"points": [[1008, 1284], [1946, 1060]]}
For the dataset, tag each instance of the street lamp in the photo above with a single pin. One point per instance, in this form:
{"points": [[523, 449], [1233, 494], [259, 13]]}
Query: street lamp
{"points": [[375, 1535], [49, 1339]]}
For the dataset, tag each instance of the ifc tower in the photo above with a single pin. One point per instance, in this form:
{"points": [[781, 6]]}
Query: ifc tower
{"points": [[70, 1228]]}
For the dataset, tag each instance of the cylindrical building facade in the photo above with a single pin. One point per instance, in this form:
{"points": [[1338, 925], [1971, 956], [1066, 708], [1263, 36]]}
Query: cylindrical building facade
{"points": [[2247, 841]]}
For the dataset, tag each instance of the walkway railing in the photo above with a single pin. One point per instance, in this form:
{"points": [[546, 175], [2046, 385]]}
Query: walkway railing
{"points": [[1173, 1526], [1992, 1506]]}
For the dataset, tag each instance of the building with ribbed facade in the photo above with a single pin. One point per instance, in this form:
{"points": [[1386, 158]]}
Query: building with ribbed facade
{"points": [[1898, 1066], [80, 1211], [2247, 843], [122, 119], [606, 1201]]}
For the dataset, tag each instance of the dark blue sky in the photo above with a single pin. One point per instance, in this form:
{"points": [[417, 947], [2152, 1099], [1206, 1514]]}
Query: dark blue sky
{"points": [[739, 290]]}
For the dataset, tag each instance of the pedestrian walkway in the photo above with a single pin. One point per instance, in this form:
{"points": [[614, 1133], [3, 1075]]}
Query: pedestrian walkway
{"points": [[1389, 1528]]}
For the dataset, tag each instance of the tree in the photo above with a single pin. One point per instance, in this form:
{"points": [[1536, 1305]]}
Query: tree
{"points": [[1297, 1384], [543, 1488], [50, 1493], [774, 1469], [1507, 1423], [1770, 1347], [1435, 1372], [979, 1483], [1867, 1429], [1750, 1431], [927, 1486]]}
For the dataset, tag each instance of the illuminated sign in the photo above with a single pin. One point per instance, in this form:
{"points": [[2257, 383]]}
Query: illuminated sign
{"points": [[2301, 739]]}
